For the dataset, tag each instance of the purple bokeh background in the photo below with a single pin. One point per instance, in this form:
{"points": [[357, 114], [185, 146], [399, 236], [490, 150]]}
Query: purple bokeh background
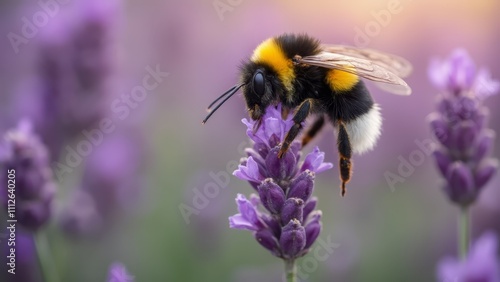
{"points": [[383, 233]]}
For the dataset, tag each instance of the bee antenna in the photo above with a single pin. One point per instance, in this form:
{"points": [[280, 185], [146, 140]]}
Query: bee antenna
{"points": [[220, 97], [229, 94]]}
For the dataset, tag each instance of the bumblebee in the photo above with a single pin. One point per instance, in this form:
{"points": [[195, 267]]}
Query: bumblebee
{"points": [[311, 78]]}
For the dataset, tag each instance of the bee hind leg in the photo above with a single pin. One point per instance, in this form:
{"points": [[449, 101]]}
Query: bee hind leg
{"points": [[345, 154], [300, 115], [313, 130]]}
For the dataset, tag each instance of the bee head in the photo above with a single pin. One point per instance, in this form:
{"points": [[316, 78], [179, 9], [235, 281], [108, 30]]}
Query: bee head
{"points": [[258, 91]]}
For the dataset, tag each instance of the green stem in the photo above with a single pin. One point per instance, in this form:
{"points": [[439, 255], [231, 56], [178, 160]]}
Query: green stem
{"points": [[290, 271], [464, 231], [45, 259]]}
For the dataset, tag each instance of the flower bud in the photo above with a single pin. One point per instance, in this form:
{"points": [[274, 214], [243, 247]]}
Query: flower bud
{"points": [[442, 160], [293, 239], [266, 239], [313, 228], [460, 186], [271, 196], [440, 129], [484, 172], [484, 145], [309, 207], [302, 186], [280, 168], [292, 209], [466, 135]]}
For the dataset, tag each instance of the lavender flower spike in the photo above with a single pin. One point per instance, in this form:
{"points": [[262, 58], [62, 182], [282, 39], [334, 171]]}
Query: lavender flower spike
{"points": [[459, 125], [287, 226], [24, 161], [482, 264]]}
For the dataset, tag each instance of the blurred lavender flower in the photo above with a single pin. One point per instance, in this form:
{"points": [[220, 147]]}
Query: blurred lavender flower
{"points": [[111, 174], [118, 273], [75, 71], [482, 263], [80, 216], [24, 153], [457, 74], [459, 124], [110, 186], [284, 186]]}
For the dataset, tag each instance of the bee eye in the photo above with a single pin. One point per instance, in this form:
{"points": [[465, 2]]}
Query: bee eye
{"points": [[259, 85]]}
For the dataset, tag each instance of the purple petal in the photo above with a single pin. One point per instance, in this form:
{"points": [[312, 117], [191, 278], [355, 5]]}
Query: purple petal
{"points": [[249, 171], [448, 270], [248, 218], [314, 161], [237, 221], [438, 73], [273, 126], [118, 273], [272, 129], [454, 74], [247, 208], [481, 264], [462, 70]]}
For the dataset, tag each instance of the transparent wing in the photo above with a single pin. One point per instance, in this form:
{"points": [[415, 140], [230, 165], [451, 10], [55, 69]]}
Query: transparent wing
{"points": [[360, 66], [395, 64]]}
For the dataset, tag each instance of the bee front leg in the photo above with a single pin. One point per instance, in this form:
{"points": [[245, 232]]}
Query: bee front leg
{"points": [[345, 154], [300, 115]]}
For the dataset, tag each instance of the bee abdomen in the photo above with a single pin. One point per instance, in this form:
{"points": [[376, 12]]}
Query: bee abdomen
{"points": [[365, 130]]}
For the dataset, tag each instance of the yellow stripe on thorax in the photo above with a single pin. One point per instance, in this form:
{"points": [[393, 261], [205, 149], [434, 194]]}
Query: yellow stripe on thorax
{"points": [[341, 81], [271, 54]]}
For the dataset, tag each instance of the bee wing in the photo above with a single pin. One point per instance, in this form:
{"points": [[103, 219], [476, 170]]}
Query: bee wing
{"points": [[359, 66], [395, 64]]}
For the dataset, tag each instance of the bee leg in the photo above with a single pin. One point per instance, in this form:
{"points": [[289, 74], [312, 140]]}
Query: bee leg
{"points": [[345, 153], [300, 115], [256, 126], [315, 128]]}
